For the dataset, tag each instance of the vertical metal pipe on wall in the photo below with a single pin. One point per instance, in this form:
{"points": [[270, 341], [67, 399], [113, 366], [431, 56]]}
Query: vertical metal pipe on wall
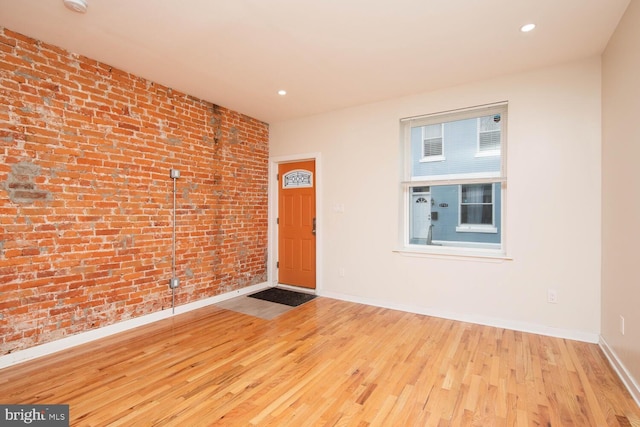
{"points": [[174, 282]]}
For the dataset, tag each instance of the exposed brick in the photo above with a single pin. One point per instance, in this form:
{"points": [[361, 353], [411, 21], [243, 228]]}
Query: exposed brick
{"points": [[86, 219]]}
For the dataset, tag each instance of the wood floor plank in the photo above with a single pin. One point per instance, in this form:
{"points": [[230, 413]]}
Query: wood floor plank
{"points": [[325, 363]]}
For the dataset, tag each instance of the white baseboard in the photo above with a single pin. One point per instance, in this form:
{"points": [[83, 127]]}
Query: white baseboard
{"points": [[621, 370], [481, 320], [85, 337]]}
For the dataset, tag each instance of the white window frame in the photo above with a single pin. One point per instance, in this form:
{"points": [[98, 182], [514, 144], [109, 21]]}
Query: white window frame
{"points": [[470, 249]]}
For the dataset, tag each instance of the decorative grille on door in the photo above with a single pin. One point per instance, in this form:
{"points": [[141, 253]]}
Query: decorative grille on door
{"points": [[297, 178]]}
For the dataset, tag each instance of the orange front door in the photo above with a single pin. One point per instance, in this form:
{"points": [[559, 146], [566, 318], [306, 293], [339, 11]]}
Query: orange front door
{"points": [[297, 224]]}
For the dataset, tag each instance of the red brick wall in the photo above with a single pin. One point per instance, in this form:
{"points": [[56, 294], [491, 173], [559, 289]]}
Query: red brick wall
{"points": [[86, 198]]}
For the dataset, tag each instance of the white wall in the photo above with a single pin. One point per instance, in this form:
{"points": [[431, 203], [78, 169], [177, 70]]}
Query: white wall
{"points": [[621, 197], [553, 206]]}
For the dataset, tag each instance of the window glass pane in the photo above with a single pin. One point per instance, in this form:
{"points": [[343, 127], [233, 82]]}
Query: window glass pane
{"points": [[476, 214], [420, 189], [490, 123], [456, 215], [476, 193], [432, 131], [460, 142], [432, 147]]}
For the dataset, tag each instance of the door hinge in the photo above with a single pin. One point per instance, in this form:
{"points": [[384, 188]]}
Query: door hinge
{"points": [[277, 220], [277, 177], [278, 264]]}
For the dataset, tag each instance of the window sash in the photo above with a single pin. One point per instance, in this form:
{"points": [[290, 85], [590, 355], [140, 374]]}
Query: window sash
{"points": [[470, 179], [449, 116]]}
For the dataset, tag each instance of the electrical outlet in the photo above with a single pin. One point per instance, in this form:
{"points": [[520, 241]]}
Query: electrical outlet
{"points": [[174, 283], [552, 296], [622, 325]]}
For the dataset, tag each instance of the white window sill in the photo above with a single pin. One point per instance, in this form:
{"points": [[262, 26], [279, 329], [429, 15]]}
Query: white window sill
{"points": [[432, 159], [488, 255], [476, 229], [488, 153]]}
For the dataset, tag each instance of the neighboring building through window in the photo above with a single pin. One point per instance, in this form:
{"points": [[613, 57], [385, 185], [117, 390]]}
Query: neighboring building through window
{"points": [[455, 201]]}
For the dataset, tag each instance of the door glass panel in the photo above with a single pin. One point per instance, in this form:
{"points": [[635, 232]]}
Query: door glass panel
{"points": [[297, 179]]}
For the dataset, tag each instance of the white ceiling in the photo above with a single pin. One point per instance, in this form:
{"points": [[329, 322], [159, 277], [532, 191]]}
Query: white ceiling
{"points": [[327, 54]]}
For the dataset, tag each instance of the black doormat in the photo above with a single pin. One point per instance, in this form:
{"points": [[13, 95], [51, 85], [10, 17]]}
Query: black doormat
{"points": [[283, 296]]}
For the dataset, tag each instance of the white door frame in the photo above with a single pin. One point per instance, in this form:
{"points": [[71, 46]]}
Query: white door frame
{"points": [[272, 230]]}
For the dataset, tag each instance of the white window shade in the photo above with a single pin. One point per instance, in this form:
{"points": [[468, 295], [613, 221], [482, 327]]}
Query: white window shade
{"points": [[432, 147]]}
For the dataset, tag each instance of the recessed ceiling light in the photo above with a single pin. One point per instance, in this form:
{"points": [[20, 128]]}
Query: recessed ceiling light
{"points": [[528, 27], [282, 92], [79, 6]]}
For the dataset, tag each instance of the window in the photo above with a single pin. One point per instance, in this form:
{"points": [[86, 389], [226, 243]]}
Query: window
{"points": [[489, 135], [432, 143], [454, 205], [476, 209]]}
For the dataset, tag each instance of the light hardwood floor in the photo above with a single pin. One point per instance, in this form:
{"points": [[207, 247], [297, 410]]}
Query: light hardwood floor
{"points": [[325, 363]]}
